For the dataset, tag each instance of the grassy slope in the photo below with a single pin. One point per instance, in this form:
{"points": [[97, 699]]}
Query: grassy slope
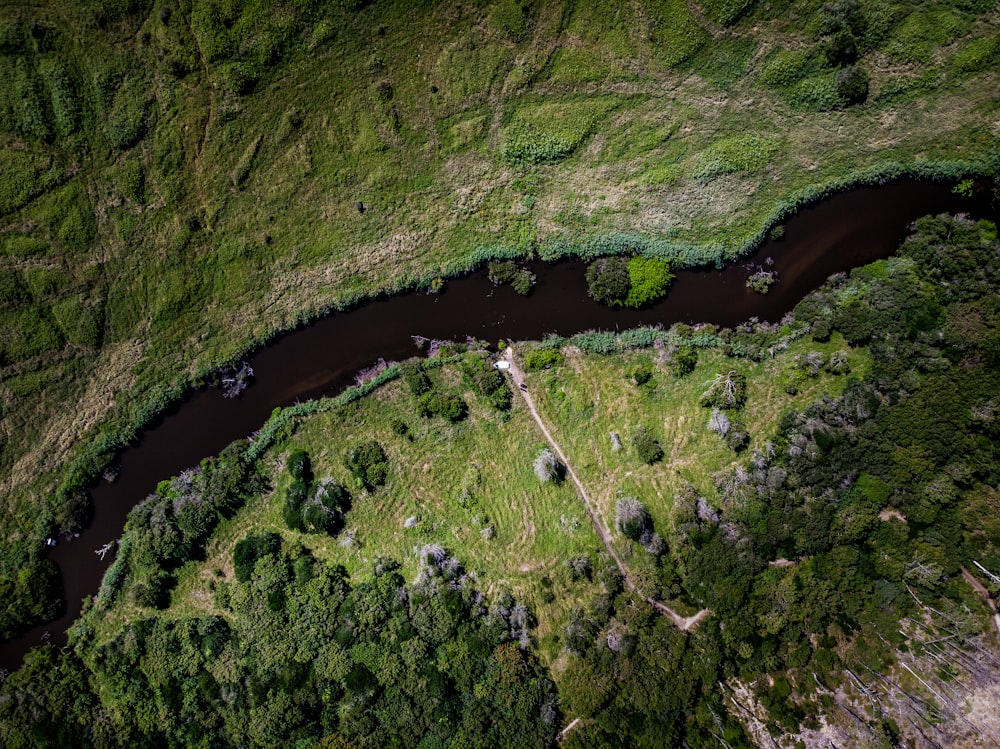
{"points": [[163, 214]]}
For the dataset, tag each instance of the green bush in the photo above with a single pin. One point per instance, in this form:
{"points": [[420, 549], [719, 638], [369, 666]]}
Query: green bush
{"points": [[609, 281], [852, 84], [416, 379], [368, 464], [251, 549], [787, 67], [508, 272], [977, 55], [646, 447], [542, 358], [682, 360], [648, 281], [446, 405]]}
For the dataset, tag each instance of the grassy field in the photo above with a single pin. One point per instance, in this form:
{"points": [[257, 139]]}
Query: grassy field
{"points": [[181, 180], [469, 486]]}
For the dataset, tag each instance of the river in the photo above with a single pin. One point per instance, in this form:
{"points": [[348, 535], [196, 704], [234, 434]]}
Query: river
{"points": [[837, 234]]}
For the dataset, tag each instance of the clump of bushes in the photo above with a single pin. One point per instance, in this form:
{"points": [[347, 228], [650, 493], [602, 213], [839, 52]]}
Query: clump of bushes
{"points": [[633, 282], [646, 447], [761, 277], [311, 507], [486, 381], [446, 405], [542, 358], [251, 549], [732, 431], [508, 272], [368, 464], [633, 521], [430, 400], [680, 360]]}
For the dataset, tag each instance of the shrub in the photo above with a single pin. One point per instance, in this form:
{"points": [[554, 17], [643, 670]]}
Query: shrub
{"points": [[726, 390], [252, 548], [646, 447], [446, 405], [632, 518], [415, 378], [682, 359], [852, 84], [642, 374], [542, 358], [507, 272], [299, 466], [579, 568], [609, 281], [368, 464], [548, 467], [648, 281]]}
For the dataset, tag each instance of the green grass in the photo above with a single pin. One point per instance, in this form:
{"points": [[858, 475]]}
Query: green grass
{"points": [[457, 480], [748, 154], [588, 397], [192, 183], [450, 482]]}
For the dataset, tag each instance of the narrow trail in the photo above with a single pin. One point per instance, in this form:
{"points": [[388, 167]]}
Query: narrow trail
{"points": [[684, 623]]}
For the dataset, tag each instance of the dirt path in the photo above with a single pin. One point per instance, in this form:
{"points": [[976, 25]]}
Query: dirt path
{"points": [[684, 623]]}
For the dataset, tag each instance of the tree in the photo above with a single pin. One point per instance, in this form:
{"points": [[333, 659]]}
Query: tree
{"points": [[368, 464], [632, 518], [647, 449], [608, 280]]}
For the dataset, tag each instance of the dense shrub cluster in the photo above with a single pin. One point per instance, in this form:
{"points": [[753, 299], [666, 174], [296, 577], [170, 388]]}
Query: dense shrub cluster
{"points": [[368, 464], [486, 381], [301, 653], [646, 446], [634, 282], [508, 272], [313, 506]]}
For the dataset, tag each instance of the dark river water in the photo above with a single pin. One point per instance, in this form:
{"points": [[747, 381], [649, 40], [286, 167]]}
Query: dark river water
{"points": [[837, 234]]}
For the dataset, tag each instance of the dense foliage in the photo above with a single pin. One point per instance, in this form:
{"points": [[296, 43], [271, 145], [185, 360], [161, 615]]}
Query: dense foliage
{"points": [[628, 282], [300, 654]]}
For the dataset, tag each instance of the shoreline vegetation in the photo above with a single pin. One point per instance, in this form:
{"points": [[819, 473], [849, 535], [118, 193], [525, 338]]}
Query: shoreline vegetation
{"points": [[205, 178]]}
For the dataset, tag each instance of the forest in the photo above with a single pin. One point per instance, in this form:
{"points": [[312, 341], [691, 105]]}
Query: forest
{"points": [[848, 558]]}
